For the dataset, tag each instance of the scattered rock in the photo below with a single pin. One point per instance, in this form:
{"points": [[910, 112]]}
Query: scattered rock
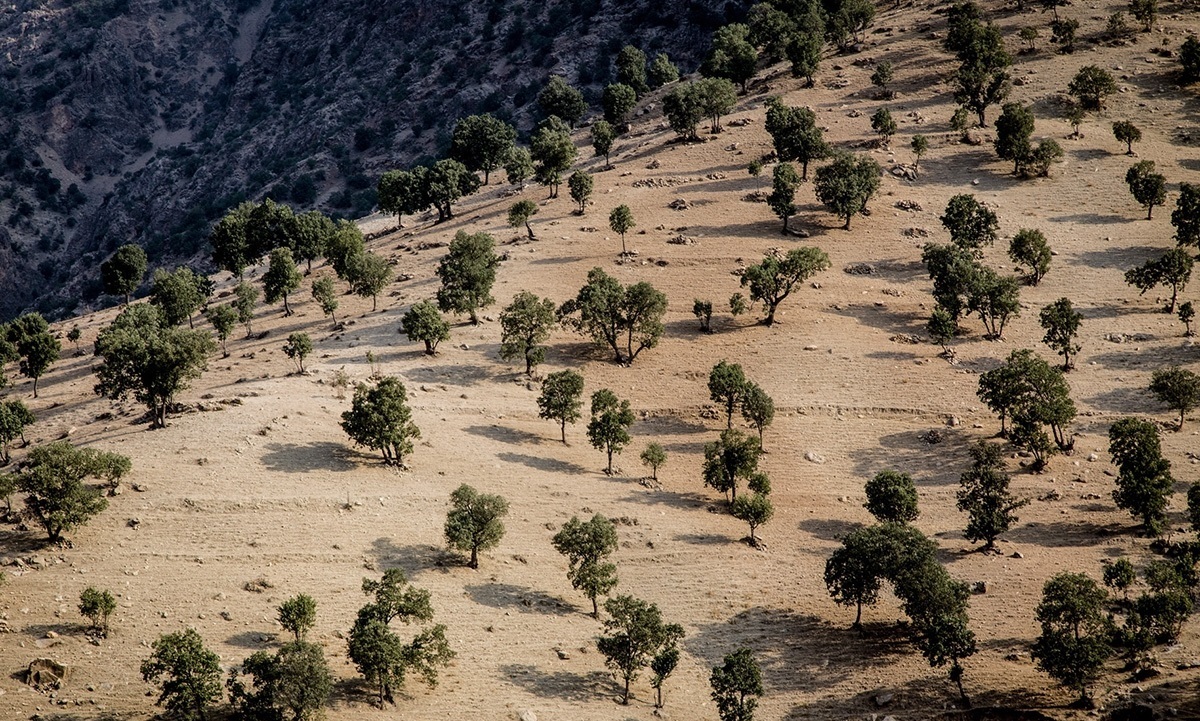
{"points": [[1092, 457], [953, 422], [1017, 554], [915, 233], [757, 196], [134, 523], [979, 588], [812, 457], [909, 205], [653, 165], [933, 437], [884, 699], [258, 585], [907, 339], [562, 655], [681, 239], [46, 674], [1052, 495], [527, 715], [679, 204], [860, 269], [906, 172]]}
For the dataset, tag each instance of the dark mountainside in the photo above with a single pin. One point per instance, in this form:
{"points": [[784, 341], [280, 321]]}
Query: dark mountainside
{"points": [[143, 121]]}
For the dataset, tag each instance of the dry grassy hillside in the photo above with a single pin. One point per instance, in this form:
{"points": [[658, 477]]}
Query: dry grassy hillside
{"points": [[268, 486]]}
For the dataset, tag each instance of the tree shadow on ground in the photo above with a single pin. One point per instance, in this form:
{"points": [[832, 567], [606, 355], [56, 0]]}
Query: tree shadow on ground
{"points": [[1117, 258], [1158, 358], [506, 596], [828, 529], [17, 542], [563, 685], [908, 452], [703, 539], [1092, 219], [513, 436], [251, 639], [413, 559], [796, 652], [1124, 399], [673, 499], [312, 456], [550, 465], [884, 319], [1065, 534]]}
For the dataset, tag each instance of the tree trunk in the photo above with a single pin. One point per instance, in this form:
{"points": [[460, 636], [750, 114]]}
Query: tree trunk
{"points": [[374, 303], [474, 557], [1181, 412], [848, 217], [529, 230], [1150, 212], [35, 380], [857, 616], [595, 608], [785, 225], [658, 697], [474, 317], [609, 470], [770, 319], [126, 299], [625, 700], [564, 440], [623, 251], [192, 325], [287, 309], [528, 364]]}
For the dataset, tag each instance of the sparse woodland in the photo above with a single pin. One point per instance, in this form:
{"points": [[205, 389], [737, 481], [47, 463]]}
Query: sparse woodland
{"points": [[952, 384]]}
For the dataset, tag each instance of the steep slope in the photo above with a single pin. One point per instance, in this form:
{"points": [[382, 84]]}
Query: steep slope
{"points": [[142, 121]]}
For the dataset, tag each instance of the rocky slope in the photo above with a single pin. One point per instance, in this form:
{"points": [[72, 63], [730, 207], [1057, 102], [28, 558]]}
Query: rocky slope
{"points": [[143, 120]]}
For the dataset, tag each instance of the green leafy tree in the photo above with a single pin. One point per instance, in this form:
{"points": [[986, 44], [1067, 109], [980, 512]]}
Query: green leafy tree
{"points": [[343, 245], [847, 21], [634, 633], [782, 201], [482, 142], [123, 272], [270, 225], [772, 280], [618, 102], [995, 299], [313, 230], [942, 328], [1144, 481], [1029, 34], [732, 56], [97, 606], [423, 323], [654, 457], [661, 72], [1014, 128], [755, 509], [804, 53], [893, 551], [178, 294], [733, 458], [770, 29], [1061, 322], [627, 319], [1073, 645], [295, 680], [580, 184], [560, 100], [1091, 85], [608, 430], [883, 125], [953, 270], [223, 318], [325, 294], [282, 277], [468, 272], [1176, 388], [518, 167], [15, 417], [524, 327], [74, 335], [1041, 159], [405, 192], [883, 75], [33, 345], [188, 674], [847, 184], [982, 79], [473, 523], [553, 152], [380, 419], [1126, 132], [587, 546], [738, 305], [920, 146], [662, 666], [1186, 216], [1189, 59], [150, 359], [1147, 187], [298, 347], [231, 243], [758, 409], [971, 224], [727, 385], [368, 275], [703, 310], [245, 297], [682, 109], [1145, 12], [379, 653], [603, 137], [714, 97], [892, 497], [1119, 575], [1027, 387], [631, 69], [561, 399], [1187, 313], [795, 135], [1173, 269], [737, 686], [620, 220], [298, 615], [445, 183], [1030, 249], [985, 498]]}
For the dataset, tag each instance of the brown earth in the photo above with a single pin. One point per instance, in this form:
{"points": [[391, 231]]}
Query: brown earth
{"points": [[271, 488]]}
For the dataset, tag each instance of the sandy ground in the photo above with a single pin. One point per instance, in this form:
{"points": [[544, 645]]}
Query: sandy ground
{"points": [[271, 489]]}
